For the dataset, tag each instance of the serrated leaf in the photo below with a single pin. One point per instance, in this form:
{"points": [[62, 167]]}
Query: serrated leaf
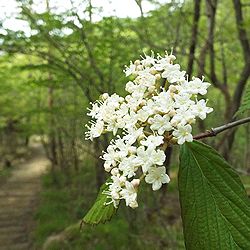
{"points": [[99, 212], [245, 103], [214, 205]]}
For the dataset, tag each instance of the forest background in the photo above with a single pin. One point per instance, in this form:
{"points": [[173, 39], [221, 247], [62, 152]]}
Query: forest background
{"points": [[64, 59]]}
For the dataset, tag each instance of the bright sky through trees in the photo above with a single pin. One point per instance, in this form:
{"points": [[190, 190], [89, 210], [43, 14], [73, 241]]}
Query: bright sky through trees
{"points": [[127, 8]]}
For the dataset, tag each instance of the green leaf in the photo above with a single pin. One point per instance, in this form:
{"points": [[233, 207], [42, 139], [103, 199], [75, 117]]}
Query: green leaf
{"points": [[214, 205], [99, 212], [245, 103]]}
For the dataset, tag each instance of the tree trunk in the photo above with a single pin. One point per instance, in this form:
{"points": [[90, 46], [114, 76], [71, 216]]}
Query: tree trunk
{"points": [[194, 34]]}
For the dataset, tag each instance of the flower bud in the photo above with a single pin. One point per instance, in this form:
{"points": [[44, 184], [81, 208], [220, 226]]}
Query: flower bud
{"points": [[174, 123], [139, 67], [122, 179], [141, 137], [132, 150], [191, 120], [172, 113], [172, 88], [153, 71], [130, 87], [137, 62], [151, 89], [121, 99], [171, 57], [107, 167], [115, 171], [128, 98], [150, 120], [157, 76], [133, 204], [135, 182], [105, 96]]}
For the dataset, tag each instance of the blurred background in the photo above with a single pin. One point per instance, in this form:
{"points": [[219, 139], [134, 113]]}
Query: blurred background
{"points": [[55, 58]]}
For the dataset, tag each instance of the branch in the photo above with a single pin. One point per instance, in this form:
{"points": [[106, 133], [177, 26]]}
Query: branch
{"points": [[139, 3], [89, 49], [245, 44], [214, 131], [242, 32]]}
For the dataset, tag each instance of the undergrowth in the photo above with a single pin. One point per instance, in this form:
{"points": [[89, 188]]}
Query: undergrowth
{"points": [[64, 202]]}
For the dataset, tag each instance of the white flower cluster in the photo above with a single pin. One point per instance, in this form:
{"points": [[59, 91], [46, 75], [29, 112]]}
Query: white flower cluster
{"points": [[158, 111]]}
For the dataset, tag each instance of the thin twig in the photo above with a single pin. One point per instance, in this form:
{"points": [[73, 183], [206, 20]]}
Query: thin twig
{"points": [[214, 131]]}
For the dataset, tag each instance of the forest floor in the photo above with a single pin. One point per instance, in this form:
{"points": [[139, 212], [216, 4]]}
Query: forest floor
{"points": [[19, 196]]}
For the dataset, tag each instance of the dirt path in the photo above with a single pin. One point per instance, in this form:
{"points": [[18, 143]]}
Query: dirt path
{"points": [[18, 200]]}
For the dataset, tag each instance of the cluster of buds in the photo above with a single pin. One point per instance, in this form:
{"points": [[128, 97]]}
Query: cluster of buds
{"points": [[158, 111]]}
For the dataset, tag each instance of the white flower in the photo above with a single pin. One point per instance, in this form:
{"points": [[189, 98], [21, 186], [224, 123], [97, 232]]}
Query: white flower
{"points": [[182, 117], [110, 157], [173, 74], [131, 87], [113, 125], [129, 194], [143, 114], [122, 111], [148, 60], [183, 133], [122, 147], [145, 79], [153, 141], [183, 100], [197, 86], [130, 70], [157, 177], [138, 94], [95, 130], [146, 111], [201, 110], [150, 157], [130, 120], [161, 64], [151, 116], [133, 101], [160, 124], [113, 192], [164, 103], [133, 134], [129, 166], [158, 157], [94, 110]]}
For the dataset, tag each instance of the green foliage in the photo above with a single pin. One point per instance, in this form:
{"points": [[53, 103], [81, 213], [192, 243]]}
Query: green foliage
{"points": [[215, 207], [245, 106], [50, 57], [110, 236], [100, 212], [52, 215], [62, 206]]}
